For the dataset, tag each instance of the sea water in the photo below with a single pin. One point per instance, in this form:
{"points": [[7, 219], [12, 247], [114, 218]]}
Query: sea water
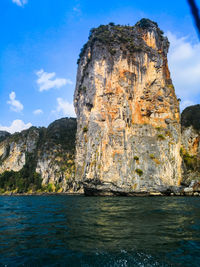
{"points": [[99, 231]]}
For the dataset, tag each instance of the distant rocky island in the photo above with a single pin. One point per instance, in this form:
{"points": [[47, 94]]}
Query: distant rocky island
{"points": [[39, 159], [128, 138]]}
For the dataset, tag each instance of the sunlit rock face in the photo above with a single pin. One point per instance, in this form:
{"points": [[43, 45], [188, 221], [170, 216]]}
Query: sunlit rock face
{"points": [[14, 148], [128, 137]]}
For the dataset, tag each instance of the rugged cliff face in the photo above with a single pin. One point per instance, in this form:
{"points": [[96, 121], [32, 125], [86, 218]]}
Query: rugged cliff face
{"points": [[3, 135], [128, 128], [128, 138], [190, 150], [39, 159]]}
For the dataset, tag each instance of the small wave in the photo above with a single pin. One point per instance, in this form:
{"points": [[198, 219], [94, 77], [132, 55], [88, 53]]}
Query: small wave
{"points": [[121, 259]]}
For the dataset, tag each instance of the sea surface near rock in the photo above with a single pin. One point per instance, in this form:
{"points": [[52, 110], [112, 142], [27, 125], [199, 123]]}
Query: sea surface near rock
{"points": [[110, 231]]}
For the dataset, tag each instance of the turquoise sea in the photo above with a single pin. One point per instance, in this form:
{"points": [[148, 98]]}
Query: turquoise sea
{"points": [[99, 231]]}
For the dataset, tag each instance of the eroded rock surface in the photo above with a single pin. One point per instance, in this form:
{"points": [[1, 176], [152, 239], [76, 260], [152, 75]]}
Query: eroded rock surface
{"points": [[40, 153], [190, 150], [14, 148], [128, 128]]}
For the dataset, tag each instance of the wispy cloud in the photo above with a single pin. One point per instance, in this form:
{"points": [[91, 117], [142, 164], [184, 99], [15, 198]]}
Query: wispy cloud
{"points": [[77, 9], [37, 111], [16, 126], [184, 62], [47, 81], [20, 2], [15, 105], [64, 108]]}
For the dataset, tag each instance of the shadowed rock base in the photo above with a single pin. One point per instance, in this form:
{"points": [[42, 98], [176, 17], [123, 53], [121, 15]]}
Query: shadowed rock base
{"points": [[92, 188], [97, 188]]}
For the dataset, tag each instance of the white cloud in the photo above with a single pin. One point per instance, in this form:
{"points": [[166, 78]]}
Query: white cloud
{"points": [[65, 108], [77, 9], [15, 105], [47, 80], [38, 111], [184, 62], [16, 126], [20, 2]]}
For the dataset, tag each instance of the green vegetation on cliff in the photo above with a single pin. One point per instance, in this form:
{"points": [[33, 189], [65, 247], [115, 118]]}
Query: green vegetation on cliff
{"points": [[190, 124], [112, 35], [190, 161], [24, 180], [62, 132], [3, 135], [56, 143]]}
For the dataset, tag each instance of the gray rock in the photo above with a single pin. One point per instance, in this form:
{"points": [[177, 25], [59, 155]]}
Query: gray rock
{"points": [[123, 144]]}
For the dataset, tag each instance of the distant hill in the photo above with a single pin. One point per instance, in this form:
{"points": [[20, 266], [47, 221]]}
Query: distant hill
{"points": [[191, 117], [39, 159], [3, 135]]}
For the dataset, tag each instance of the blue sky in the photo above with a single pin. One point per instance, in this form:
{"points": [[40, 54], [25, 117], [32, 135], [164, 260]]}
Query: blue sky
{"points": [[41, 41]]}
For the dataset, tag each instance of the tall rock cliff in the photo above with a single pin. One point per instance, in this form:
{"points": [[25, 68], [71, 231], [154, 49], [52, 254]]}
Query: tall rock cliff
{"points": [[128, 129]]}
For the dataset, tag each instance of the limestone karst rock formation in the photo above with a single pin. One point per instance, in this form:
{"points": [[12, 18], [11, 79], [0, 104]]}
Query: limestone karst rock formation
{"points": [[128, 123], [39, 158], [190, 149]]}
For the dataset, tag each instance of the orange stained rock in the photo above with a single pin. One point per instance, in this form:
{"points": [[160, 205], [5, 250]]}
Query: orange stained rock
{"points": [[150, 40], [135, 94], [136, 114], [166, 69], [177, 116], [195, 145], [121, 72], [119, 90], [108, 88], [113, 112], [119, 152]]}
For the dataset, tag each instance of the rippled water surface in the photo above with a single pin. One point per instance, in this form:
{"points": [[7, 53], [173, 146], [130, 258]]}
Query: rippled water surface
{"points": [[97, 231]]}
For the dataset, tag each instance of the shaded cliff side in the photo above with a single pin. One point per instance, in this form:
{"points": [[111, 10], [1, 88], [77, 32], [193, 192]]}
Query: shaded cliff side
{"points": [[128, 128], [3, 135], [39, 159], [190, 150]]}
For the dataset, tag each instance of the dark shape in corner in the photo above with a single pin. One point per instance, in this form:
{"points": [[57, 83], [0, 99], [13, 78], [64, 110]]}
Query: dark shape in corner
{"points": [[195, 13]]}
